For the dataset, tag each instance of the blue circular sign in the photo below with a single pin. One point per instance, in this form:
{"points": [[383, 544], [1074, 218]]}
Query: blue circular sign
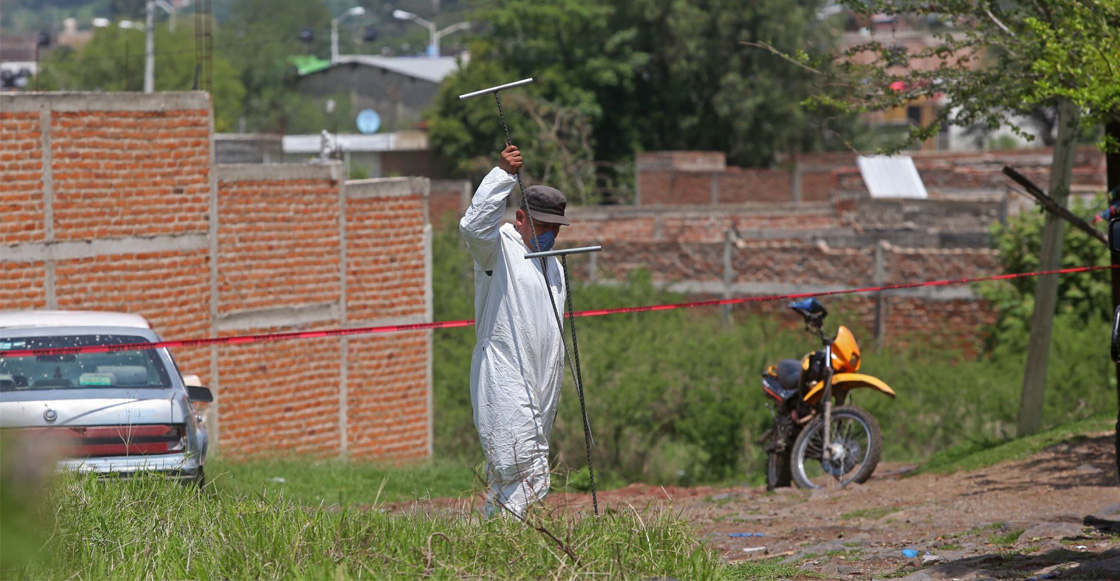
{"points": [[368, 121]]}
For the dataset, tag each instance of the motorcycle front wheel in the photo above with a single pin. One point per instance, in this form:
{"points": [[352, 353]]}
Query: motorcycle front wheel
{"points": [[855, 446]]}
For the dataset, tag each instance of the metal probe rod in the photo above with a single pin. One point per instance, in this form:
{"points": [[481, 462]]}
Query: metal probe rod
{"points": [[580, 250], [497, 88]]}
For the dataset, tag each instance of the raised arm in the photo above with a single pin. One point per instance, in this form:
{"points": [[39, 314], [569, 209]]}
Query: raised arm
{"points": [[480, 224]]}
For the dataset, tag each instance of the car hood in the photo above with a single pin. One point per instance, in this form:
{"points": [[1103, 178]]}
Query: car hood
{"points": [[110, 407]]}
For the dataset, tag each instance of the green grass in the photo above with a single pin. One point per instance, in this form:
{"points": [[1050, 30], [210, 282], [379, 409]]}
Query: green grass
{"points": [[869, 513], [342, 482], [981, 454], [1005, 539], [771, 569], [149, 528]]}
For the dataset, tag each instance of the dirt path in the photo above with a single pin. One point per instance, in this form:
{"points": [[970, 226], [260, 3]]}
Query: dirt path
{"points": [[1016, 520], [1011, 521]]}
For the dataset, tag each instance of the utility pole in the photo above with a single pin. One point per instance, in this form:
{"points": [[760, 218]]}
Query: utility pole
{"points": [[150, 48]]}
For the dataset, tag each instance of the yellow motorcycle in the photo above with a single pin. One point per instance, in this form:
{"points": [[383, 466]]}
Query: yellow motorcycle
{"points": [[810, 394]]}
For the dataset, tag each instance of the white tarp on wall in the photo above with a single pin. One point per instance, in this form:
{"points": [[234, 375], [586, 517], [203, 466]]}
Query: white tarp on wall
{"points": [[891, 176]]}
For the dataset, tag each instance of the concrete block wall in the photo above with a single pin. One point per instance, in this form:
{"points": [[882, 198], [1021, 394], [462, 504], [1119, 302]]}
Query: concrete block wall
{"points": [[112, 202]]}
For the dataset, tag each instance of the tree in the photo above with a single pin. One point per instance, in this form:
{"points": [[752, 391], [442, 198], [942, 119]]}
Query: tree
{"points": [[645, 74], [1000, 58], [113, 60], [258, 38]]}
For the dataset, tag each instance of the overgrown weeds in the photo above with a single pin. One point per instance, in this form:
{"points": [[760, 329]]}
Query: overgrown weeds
{"points": [[147, 527]]}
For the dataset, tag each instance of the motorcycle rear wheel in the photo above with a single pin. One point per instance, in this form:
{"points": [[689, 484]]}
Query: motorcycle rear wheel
{"points": [[778, 472], [855, 437]]}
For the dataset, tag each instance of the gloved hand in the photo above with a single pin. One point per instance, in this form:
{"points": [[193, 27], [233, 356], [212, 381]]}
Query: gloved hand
{"points": [[511, 159]]}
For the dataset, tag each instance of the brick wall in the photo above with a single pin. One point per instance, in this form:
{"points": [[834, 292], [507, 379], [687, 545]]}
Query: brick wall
{"points": [[738, 185], [695, 178], [776, 249], [447, 201], [21, 157], [112, 202], [388, 257], [105, 208]]}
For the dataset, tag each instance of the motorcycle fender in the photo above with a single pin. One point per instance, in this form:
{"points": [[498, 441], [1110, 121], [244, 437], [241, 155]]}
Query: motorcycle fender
{"points": [[849, 381]]}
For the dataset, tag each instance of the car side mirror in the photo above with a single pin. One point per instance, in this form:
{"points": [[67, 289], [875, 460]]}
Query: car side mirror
{"points": [[199, 393], [1114, 234]]}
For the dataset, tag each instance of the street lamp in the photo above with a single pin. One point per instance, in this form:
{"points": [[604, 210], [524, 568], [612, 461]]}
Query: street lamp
{"points": [[433, 34], [355, 11]]}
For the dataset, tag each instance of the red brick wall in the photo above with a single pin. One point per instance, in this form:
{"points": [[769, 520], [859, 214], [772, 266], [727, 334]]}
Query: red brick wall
{"points": [[22, 286], [79, 216], [608, 225], [684, 178], [282, 246], [170, 289], [817, 185], [116, 213], [21, 199], [738, 185], [128, 173], [396, 420], [447, 201], [385, 257], [280, 397], [684, 248], [278, 243], [387, 264], [659, 187]]}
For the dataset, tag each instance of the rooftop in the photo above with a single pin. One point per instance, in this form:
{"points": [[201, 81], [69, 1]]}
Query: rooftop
{"points": [[433, 70]]}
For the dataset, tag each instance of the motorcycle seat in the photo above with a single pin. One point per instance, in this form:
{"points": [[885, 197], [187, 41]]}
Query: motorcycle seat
{"points": [[789, 373]]}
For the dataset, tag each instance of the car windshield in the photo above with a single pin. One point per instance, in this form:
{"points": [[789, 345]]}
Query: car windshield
{"points": [[140, 368]]}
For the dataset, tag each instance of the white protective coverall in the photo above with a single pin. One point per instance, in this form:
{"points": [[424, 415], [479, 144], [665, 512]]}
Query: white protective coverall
{"points": [[518, 362]]}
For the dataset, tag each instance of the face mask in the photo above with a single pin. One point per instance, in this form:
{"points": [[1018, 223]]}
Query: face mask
{"points": [[545, 241]]}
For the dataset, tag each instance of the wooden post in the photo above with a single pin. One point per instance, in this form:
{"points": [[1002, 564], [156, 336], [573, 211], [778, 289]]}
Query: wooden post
{"points": [[1046, 289], [1112, 161]]}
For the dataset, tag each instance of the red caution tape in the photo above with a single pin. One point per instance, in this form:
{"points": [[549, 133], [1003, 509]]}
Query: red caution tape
{"points": [[241, 339]]}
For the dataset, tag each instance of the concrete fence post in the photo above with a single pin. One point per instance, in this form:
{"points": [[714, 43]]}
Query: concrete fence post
{"points": [[728, 276], [880, 300]]}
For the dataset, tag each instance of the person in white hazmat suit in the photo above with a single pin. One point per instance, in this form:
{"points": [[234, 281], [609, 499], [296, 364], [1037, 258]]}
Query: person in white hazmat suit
{"points": [[517, 367]]}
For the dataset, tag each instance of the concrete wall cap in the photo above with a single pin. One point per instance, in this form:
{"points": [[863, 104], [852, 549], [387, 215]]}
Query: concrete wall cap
{"points": [[93, 101], [388, 187], [331, 170]]}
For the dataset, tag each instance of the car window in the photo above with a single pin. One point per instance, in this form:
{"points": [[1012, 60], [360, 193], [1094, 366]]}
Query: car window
{"points": [[141, 368]]}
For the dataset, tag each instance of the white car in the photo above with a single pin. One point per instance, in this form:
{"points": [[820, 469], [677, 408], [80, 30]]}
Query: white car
{"points": [[113, 413]]}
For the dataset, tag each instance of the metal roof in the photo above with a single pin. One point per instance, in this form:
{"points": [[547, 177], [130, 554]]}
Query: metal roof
{"points": [[433, 70], [9, 319], [891, 176]]}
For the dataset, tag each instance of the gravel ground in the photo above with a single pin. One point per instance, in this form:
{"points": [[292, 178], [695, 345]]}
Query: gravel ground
{"points": [[1014, 520], [1055, 515]]}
